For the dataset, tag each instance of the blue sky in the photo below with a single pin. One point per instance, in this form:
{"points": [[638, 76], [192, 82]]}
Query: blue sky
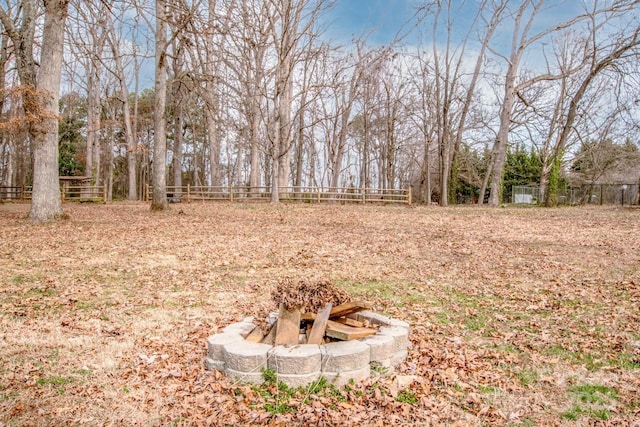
{"points": [[352, 18]]}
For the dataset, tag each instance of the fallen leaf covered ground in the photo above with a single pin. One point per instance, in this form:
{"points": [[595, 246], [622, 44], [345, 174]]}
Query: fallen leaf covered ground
{"points": [[518, 316]]}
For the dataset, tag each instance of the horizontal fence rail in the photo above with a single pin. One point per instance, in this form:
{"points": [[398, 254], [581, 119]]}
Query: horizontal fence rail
{"points": [[191, 193], [68, 193], [15, 193], [81, 193]]}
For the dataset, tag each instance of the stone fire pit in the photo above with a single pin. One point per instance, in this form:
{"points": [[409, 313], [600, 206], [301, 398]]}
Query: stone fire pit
{"points": [[300, 365]]}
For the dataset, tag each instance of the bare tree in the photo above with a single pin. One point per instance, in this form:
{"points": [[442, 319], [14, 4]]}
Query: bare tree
{"points": [[87, 35], [522, 39], [45, 200], [454, 86], [600, 57], [159, 198], [41, 99], [290, 22]]}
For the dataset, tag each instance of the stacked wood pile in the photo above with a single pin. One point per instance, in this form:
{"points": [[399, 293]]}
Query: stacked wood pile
{"points": [[311, 312]]}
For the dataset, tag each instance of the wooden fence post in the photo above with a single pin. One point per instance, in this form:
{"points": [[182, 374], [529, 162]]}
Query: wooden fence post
{"points": [[188, 193], [409, 196]]}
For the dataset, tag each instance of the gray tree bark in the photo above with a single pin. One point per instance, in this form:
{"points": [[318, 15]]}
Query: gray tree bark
{"points": [[45, 203], [159, 177]]}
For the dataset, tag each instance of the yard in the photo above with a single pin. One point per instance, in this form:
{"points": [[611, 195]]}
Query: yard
{"points": [[519, 316]]}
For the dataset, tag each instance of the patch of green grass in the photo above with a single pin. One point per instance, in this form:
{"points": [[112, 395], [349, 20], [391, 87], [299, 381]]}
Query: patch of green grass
{"points": [[556, 350], [55, 381], [380, 370], [476, 322], [382, 289], [278, 408], [22, 279], [573, 413], [594, 397], [83, 372], [179, 421], [10, 395], [58, 383], [43, 292], [417, 298], [443, 318], [508, 348], [488, 389], [54, 355], [527, 377], [85, 306], [601, 414], [525, 422], [594, 394], [407, 396], [570, 303], [269, 376], [277, 399], [626, 361], [463, 299], [591, 361]]}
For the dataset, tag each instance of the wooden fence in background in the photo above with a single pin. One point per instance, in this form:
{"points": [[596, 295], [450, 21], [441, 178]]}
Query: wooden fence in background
{"points": [[191, 193], [68, 193]]}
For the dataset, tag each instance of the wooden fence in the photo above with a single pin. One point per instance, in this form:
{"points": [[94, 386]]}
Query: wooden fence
{"points": [[191, 193], [68, 193]]}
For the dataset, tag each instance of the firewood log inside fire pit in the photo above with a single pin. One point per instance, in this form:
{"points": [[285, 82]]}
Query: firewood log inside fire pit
{"points": [[312, 312]]}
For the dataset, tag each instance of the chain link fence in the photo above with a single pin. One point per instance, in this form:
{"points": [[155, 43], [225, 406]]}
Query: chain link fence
{"points": [[586, 194]]}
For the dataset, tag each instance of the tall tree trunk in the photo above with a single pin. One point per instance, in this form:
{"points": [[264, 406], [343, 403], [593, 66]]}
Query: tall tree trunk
{"points": [[45, 202], [177, 151], [132, 157], [300, 145], [94, 112], [254, 132], [340, 144], [159, 199], [214, 146], [123, 91], [427, 171], [500, 145]]}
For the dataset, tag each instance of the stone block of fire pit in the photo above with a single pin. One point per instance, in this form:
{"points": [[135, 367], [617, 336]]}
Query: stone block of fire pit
{"points": [[243, 328], [215, 344], [234, 353], [382, 348], [378, 319], [398, 358], [245, 356], [211, 364], [245, 377], [299, 359], [342, 378], [400, 337], [345, 356]]}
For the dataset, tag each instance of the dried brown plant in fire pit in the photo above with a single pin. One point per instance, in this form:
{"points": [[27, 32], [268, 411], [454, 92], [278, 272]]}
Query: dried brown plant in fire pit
{"points": [[307, 295]]}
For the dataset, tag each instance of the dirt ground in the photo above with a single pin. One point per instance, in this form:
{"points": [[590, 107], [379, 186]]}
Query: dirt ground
{"points": [[519, 316]]}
